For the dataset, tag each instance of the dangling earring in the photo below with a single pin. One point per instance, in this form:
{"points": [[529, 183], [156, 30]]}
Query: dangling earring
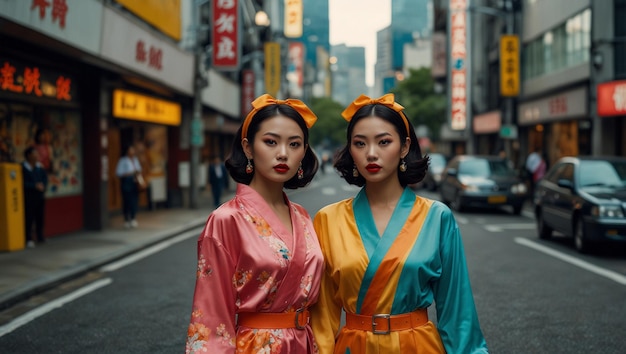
{"points": [[249, 167], [300, 172], [402, 165], [355, 172]]}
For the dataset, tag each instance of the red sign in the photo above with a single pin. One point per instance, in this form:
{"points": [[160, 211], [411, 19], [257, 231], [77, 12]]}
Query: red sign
{"points": [[225, 34], [612, 98], [247, 91], [29, 80], [58, 11]]}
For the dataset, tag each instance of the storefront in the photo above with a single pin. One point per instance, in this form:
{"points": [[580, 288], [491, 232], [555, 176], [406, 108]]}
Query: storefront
{"points": [[486, 129], [40, 107], [559, 124], [611, 108]]}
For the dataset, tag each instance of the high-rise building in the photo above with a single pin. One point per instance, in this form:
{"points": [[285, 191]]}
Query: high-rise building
{"points": [[348, 73], [409, 20]]}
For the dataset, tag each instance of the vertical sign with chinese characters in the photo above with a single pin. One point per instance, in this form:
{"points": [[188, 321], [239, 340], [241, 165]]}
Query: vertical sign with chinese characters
{"points": [[225, 34], [509, 65], [458, 63], [247, 91], [293, 18], [272, 68]]}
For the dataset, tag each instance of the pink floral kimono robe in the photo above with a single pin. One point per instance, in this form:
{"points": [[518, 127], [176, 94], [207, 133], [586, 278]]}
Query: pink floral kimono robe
{"points": [[249, 262]]}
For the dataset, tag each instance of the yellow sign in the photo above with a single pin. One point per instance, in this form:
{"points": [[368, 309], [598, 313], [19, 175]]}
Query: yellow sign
{"points": [[130, 105], [272, 68], [162, 14], [509, 65]]}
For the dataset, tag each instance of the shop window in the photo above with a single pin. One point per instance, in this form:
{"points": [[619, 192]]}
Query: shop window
{"points": [[56, 134]]}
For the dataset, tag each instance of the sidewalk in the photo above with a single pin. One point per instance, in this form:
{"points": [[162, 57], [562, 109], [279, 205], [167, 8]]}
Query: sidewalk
{"points": [[34, 270]]}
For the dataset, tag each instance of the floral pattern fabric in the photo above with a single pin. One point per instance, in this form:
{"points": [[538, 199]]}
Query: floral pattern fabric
{"points": [[248, 261]]}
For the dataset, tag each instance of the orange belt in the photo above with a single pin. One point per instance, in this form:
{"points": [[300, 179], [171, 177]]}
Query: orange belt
{"points": [[298, 319], [384, 323]]}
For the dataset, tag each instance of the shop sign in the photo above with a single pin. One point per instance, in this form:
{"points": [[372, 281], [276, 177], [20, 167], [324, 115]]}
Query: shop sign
{"points": [[35, 81], [509, 65], [76, 22], [293, 18], [570, 104], [272, 67], [133, 47], [439, 55], [487, 123], [612, 98], [295, 71], [225, 34], [247, 91], [135, 106], [458, 72], [164, 15]]}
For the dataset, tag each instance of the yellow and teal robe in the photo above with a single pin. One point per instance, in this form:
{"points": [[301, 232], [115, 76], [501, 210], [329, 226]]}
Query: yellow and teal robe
{"points": [[418, 259]]}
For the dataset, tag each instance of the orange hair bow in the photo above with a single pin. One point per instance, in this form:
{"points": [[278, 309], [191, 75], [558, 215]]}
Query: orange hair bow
{"points": [[266, 100], [387, 100]]}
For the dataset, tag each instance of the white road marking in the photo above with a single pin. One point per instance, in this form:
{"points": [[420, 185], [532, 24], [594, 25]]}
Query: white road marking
{"points": [[329, 191], [502, 227], [461, 220], [52, 305], [150, 251], [616, 277]]}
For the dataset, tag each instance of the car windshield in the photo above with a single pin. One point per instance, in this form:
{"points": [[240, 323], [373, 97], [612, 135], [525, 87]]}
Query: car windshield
{"points": [[602, 173], [485, 168]]}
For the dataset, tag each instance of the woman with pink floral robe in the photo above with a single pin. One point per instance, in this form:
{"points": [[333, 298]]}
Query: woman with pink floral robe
{"points": [[261, 268]]}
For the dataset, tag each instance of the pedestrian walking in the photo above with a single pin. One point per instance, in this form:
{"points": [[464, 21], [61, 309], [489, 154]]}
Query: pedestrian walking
{"points": [[35, 183], [217, 179], [131, 182], [259, 261], [390, 254]]}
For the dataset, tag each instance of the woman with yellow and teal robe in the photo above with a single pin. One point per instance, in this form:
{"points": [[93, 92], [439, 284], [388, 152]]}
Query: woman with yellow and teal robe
{"points": [[390, 254]]}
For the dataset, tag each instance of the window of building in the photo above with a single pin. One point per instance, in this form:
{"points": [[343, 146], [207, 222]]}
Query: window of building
{"points": [[562, 47]]}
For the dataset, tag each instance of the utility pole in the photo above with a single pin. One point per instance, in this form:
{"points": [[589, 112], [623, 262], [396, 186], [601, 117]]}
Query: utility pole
{"points": [[196, 128]]}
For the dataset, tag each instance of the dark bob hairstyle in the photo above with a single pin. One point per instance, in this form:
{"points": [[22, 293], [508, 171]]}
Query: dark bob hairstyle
{"points": [[416, 165], [237, 161]]}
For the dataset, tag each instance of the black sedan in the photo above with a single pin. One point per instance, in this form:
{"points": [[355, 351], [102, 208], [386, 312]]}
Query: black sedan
{"points": [[482, 181], [433, 174], [584, 198]]}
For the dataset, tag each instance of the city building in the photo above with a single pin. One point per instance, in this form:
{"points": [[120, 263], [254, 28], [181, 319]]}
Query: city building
{"points": [[348, 73]]}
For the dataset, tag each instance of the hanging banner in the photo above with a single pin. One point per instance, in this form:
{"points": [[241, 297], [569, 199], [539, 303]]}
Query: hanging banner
{"points": [[458, 71], [509, 65], [293, 18], [272, 68], [295, 69], [225, 35]]}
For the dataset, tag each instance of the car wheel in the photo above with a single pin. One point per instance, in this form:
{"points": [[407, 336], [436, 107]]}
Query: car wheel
{"points": [[517, 209], [580, 241], [457, 205], [544, 231]]}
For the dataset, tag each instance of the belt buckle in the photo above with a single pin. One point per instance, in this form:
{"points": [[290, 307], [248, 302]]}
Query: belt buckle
{"points": [[300, 312], [384, 316]]}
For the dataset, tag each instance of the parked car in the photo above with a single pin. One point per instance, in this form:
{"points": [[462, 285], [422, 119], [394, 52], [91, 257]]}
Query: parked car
{"points": [[583, 198], [482, 181], [433, 176]]}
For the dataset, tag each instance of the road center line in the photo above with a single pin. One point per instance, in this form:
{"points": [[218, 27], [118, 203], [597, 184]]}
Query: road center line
{"points": [[616, 277], [54, 304], [150, 251]]}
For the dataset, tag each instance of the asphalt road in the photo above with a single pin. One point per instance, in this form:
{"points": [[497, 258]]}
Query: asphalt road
{"points": [[532, 296]]}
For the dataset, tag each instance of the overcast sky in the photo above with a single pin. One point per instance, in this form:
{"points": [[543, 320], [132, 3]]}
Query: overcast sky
{"points": [[355, 23]]}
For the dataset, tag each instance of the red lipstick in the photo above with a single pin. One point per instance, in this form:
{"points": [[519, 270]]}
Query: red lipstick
{"points": [[372, 168], [281, 168]]}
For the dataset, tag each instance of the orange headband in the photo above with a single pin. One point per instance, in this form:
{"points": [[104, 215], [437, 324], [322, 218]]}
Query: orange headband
{"points": [[267, 100], [387, 100]]}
